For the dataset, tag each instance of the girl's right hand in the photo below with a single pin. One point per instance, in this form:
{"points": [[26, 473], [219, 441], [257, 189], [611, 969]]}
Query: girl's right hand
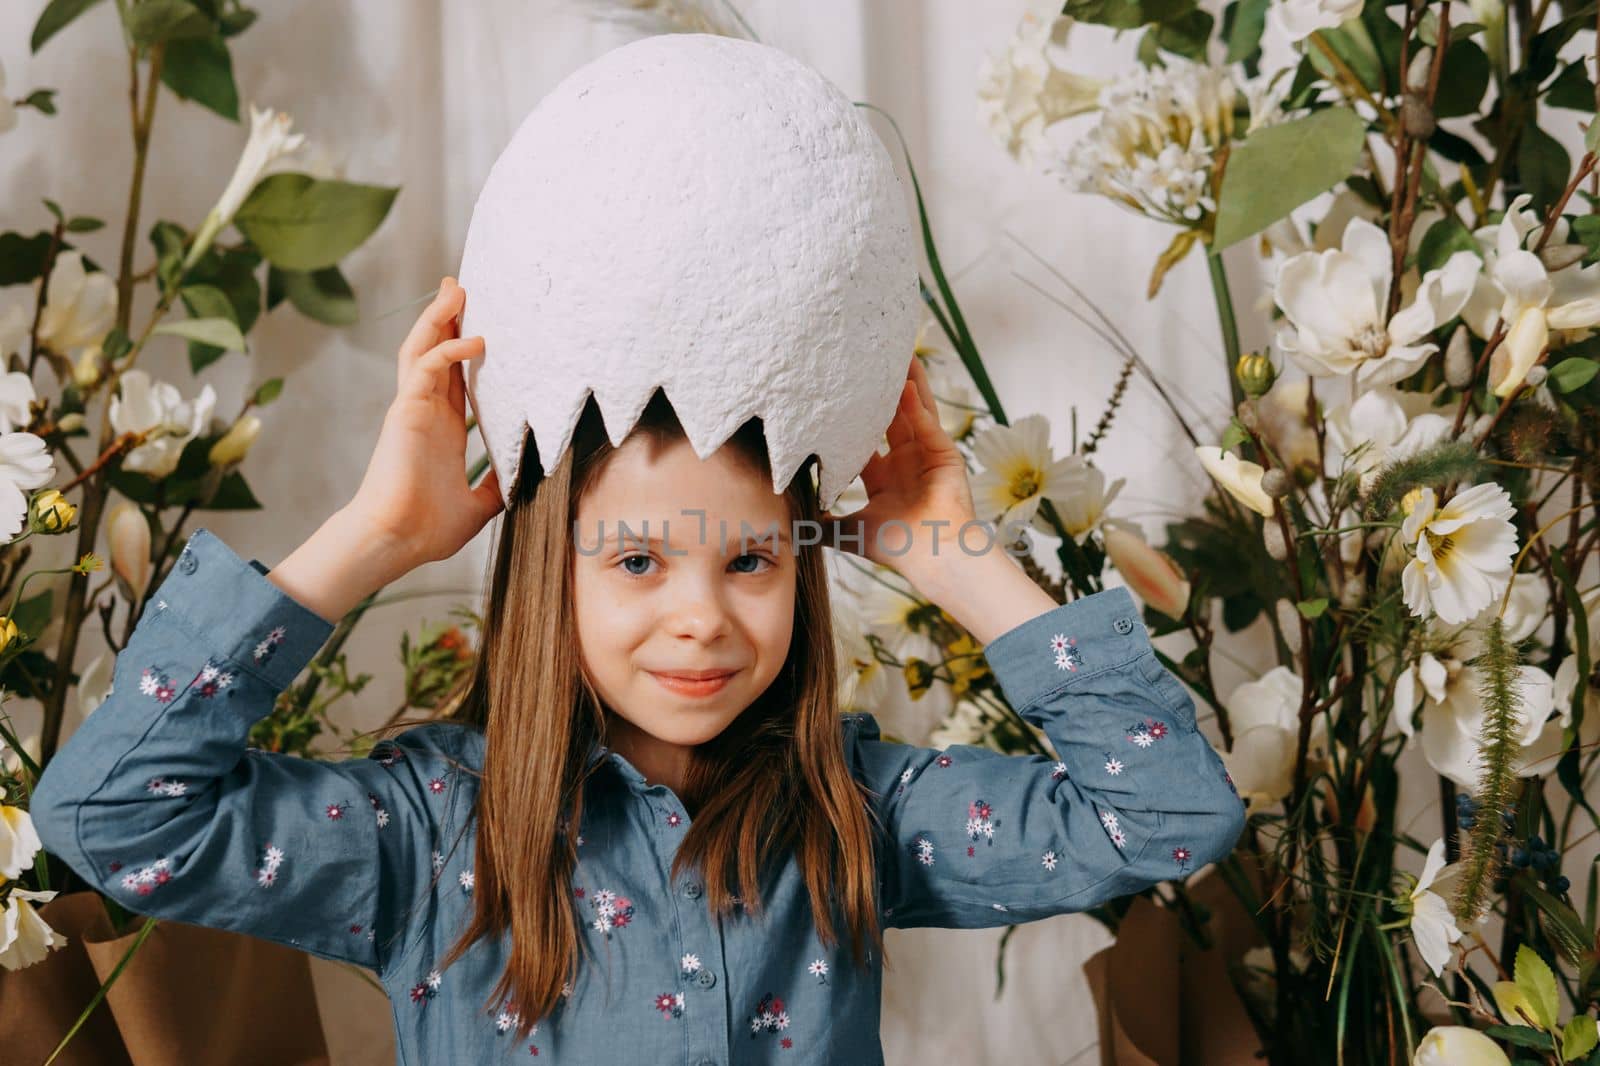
{"points": [[415, 493]]}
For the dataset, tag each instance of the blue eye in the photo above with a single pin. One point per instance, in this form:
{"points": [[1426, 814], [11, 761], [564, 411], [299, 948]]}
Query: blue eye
{"points": [[757, 558], [634, 558]]}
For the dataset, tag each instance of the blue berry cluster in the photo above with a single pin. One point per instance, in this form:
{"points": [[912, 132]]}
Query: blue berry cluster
{"points": [[1527, 854], [1467, 813]]}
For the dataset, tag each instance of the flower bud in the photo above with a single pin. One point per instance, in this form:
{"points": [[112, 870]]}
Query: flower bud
{"points": [[1536, 375], [1421, 65], [919, 675], [1353, 592], [1289, 622], [1458, 362], [70, 423], [129, 535], [235, 444], [8, 632], [1255, 372], [51, 513], [1272, 538], [1417, 117], [87, 370], [1481, 424], [1150, 573], [1276, 483]]}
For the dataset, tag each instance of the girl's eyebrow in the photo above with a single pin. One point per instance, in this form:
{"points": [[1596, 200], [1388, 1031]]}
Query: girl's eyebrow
{"points": [[756, 536]]}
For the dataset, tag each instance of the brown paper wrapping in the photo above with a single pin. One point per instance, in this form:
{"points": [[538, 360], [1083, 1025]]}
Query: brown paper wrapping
{"points": [[1162, 1001], [189, 995]]}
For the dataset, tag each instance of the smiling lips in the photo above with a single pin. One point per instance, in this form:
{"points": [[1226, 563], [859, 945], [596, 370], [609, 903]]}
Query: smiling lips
{"points": [[694, 682]]}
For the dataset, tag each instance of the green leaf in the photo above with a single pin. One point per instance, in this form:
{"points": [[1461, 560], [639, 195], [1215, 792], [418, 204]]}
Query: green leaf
{"points": [[1244, 31], [1543, 165], [237, 21], [301, 223], [269, 391], [22, 258], [1313, 608], [323, 295], [1571, 89], [1187, 35], [1444, 238], [1570, 375], [1463, 81], [33, 613], [207, 302], [1522, 1036], [234, 272], [233, 495], [1127, 14], [43, 100], [1276, 169], [55, 19], [1579, 1038], [157, 21], [84, 224], [220, 332], [1538, 983], [201, 70], [1352, 43], [55, 209], [1233, 436]]}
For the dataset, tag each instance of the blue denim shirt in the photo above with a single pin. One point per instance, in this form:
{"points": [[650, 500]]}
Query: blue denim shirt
{"points": [[158, 802]]}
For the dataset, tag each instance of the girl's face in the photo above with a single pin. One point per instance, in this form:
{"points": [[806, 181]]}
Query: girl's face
{"points": [[693, 600]]}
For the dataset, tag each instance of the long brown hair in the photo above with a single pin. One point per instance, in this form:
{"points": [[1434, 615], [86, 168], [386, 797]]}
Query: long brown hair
{"points": [[775, 783]]}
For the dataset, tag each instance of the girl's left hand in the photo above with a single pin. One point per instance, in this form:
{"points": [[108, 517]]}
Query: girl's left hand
{"points": [[919, 490]]}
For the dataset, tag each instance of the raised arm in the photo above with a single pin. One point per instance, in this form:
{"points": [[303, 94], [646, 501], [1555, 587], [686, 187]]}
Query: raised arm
{"points": [[157, 801], [978, 838]]}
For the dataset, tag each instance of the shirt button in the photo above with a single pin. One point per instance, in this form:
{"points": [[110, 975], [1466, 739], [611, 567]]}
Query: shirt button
{"points": [[1123, 625], [692, 890], [705, 979], [187, 562]]}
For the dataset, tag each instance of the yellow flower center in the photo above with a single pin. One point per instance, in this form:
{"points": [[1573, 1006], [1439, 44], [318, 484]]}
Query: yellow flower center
{"points": [[1025, 484]]}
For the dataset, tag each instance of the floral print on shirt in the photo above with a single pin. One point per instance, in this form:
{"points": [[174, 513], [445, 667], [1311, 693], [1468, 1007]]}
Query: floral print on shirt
{"points": [[611, 911], [770, 1017]]}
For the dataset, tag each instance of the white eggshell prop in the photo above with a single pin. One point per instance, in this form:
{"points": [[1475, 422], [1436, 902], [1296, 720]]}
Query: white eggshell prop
{"points": [[704, 214]]}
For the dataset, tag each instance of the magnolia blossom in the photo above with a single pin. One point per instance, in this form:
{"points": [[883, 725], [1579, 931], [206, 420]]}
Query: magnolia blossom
{"points": [[25, 465], [269, 139], [1021, 92], [1382, 425], [79, 307], [1020, 470], [1335, 302], [18, 841], [1284, 424], [25, 938], [157, 408], [1458, 1045], [1149, 573], [129, 536], [1301, 18], [16, 396], [1461, 552], [1518, 291], [1239, 476], [1153, 149], [1265, 719], [1433, 927]]}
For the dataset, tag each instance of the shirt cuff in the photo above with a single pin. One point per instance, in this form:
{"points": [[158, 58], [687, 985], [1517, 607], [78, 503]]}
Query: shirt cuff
{"points": [[1065, 644], [231, 608]]}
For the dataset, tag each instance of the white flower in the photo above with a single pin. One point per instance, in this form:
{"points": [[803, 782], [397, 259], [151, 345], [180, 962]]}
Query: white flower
{"points": [[1335, 302], [1240, 477], [1301, 18], [1265, 719], [1153, 147], [863, 681], [24, 465], [1381, 426], [1022, 92], [25, 938], [964, 724], [157, 408], [1518, 291], [1432, 925], [1458, 1045], [8, 110], [690, 964], [1085, 507], [79, 308], [16, 394], [18, 841], [818, 968], [1461, 551], [269, 139], [1019, 470]]}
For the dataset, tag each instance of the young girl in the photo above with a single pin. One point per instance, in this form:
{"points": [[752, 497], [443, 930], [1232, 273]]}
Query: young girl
{"points": [[645, 834]]}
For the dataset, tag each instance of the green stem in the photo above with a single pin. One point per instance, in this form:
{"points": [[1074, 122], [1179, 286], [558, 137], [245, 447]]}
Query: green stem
{"points": [[1230, 327]]}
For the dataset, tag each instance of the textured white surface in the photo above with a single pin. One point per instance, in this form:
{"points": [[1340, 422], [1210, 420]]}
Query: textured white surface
{"points": [[703, 214]]}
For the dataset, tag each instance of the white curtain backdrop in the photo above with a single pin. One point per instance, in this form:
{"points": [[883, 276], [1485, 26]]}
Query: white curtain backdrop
{"points": [[423, 94]]}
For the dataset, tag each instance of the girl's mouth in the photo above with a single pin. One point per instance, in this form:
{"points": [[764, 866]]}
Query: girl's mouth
{"points": [[693, 687]]}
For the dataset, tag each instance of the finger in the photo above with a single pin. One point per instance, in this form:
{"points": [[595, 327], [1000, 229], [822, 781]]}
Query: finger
{"points": [[900, 430], [919, 376], [874, 476], [486, 497], [433, 325], [430, 370], [458, 389]]}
